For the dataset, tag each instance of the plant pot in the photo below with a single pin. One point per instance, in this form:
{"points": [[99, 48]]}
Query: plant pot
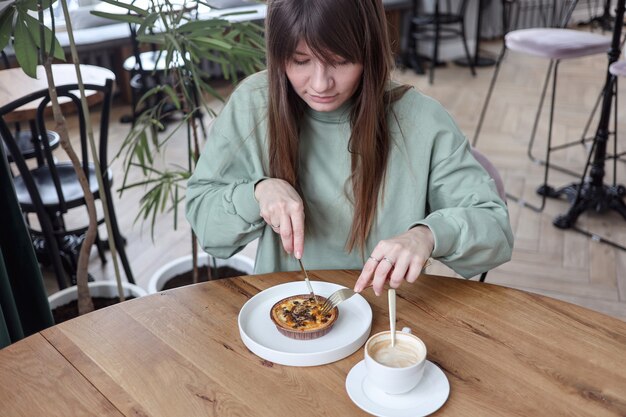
{"points": [[184, 264], [96, 289], [103, 289]]}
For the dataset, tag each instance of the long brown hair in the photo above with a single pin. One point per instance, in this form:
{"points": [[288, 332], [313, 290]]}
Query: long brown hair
{"points": [[356, 31]]}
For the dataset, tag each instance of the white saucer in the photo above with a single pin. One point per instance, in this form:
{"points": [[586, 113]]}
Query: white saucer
{"points": [[426, 398]]}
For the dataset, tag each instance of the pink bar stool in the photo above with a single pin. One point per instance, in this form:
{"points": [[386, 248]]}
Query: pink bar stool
{"points": [[554, 43]]}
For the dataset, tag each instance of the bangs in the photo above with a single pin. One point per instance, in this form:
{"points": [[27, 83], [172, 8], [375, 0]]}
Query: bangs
{"points": [[331, 29], [325, 46]]}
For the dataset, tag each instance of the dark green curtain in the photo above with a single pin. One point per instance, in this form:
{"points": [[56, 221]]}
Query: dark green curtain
{"points": [[24, 307]]}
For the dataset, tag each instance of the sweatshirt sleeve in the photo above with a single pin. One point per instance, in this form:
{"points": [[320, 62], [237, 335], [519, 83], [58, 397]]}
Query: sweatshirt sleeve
{"points": [[220, 203], [469, 221]]}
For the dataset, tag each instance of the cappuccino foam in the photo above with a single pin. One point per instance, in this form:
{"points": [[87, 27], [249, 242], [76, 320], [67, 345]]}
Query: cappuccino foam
{"points": [[405, 353]]}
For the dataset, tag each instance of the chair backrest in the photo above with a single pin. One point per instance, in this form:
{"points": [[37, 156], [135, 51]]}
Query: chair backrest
{"points": [[521, 14], [492, 171], [73, 104], [497, 178]]}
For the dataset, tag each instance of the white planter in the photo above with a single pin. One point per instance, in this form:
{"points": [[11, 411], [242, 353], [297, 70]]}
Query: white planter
{"points": [[96, 289], [185, 263]]}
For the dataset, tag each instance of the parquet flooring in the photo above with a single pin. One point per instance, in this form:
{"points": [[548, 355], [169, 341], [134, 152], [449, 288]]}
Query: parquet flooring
{"points": [[559, 263]]}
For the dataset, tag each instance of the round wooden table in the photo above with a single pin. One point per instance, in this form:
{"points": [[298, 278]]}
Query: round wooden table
{"points": [[15, 84], [179, 353]]}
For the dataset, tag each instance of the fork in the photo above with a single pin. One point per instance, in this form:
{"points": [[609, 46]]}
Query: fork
{"points": [[335, 298], [343, 294]]}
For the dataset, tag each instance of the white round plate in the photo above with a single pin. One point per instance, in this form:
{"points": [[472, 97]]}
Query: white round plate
{"points": [[426, 398], [260, 335]]}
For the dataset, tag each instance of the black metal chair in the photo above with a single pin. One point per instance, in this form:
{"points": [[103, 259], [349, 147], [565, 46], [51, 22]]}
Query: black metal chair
{"points": [[444, 22], [148, 67], [146, 70], [52, 189]]}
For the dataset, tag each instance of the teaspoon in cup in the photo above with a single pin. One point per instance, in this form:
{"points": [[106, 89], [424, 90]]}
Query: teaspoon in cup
{"points": [[392, 315]]}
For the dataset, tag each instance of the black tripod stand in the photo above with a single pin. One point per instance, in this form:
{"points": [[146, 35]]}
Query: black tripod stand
{"points": [[591, 193]]}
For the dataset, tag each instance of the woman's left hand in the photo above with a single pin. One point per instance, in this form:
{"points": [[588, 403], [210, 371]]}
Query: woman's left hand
{"points": [[398, 259]]}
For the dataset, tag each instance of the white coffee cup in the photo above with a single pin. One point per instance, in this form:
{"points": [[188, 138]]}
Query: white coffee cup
{"points": [[398, 369]]}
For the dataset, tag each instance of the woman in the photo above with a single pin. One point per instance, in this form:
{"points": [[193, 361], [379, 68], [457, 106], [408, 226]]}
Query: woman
{"points": [[323, 151]]}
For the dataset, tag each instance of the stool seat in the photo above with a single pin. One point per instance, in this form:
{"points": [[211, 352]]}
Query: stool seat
{"points": [[555, 43], [618, 68], [70, 187]]}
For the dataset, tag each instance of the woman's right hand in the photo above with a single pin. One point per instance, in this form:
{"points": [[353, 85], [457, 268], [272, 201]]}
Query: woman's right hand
{"points": [[283, 209]]}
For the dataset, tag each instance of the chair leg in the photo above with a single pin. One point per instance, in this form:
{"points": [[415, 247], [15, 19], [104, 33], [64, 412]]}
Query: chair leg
{"points": [[533, 132], [69, 260], [62, 261], [534, 129], [492, 84], [580, 141], [202, 126], [60, 271], [132, 117], [119, 239], [433, 64], [470, 61], [545, 190], [101, 249], [413, 60]]}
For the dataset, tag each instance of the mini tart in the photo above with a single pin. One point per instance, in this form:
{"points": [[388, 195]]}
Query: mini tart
{"points": [[298, 317]]}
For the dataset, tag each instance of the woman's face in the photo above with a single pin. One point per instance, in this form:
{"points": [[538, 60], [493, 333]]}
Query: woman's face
{"points": [[323, 87]]}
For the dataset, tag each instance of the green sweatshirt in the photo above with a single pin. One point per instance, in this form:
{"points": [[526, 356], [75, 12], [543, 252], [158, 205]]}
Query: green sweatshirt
{"points": [[432, 179]]}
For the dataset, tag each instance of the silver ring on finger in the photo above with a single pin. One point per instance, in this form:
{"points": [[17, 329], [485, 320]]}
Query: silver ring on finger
{"points": [[389, 261], [374, 259], [275, 227]]}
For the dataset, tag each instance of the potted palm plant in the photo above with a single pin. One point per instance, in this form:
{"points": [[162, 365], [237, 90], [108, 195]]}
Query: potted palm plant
{"points": [[34, 43], [188, 45]]}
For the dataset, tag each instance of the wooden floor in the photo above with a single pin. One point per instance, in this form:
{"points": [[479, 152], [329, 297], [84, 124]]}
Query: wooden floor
{"points": [[559, 263]]}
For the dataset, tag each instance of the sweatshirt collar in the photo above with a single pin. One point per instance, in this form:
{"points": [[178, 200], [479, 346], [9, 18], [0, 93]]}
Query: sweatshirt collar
{"points": [[340, 115]]}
